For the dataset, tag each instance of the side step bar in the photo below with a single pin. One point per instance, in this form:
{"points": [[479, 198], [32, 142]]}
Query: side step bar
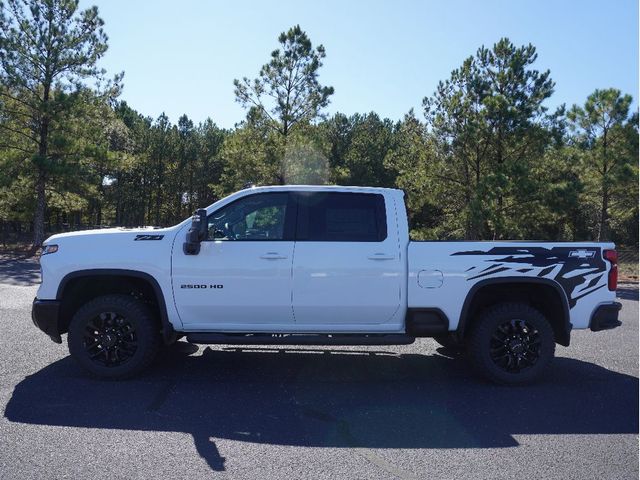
{"points": [[298, 339]]}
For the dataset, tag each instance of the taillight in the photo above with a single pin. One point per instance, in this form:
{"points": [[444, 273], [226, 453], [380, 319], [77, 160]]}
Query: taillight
{"points": [[612, 257]]}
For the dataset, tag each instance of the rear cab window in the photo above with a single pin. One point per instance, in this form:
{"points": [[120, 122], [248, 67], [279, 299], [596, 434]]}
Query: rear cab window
{"points": [[341, 217]]}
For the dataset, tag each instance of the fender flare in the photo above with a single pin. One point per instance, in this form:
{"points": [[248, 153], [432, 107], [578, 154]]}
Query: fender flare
{"points": [[168, 332], [566, 324]]}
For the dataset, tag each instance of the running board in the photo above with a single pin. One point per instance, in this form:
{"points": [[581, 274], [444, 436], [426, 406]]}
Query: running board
{"points": [[298, 339]]}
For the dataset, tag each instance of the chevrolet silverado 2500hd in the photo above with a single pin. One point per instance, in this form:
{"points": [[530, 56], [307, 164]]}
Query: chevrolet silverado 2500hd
{"points": [[318, 265]]}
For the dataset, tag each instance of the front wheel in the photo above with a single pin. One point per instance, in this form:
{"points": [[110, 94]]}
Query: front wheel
{"points": [[114, 336], [511, 343]]}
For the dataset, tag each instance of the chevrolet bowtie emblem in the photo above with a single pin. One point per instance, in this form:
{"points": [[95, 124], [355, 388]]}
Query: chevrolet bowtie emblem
{"points": [[581, 253]]}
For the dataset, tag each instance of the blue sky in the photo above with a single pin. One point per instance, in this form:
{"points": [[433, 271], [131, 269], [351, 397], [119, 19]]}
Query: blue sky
{"points": [[182, 56]]}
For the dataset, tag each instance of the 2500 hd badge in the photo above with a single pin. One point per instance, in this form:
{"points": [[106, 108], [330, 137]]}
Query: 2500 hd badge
{"points": [[203, 285]]}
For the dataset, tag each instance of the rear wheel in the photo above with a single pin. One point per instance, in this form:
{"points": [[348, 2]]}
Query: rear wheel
{"points": [[114, 336], [511, 343]]}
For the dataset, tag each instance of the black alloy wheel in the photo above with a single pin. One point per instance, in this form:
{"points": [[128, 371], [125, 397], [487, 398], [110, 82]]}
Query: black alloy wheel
{"points": [[515, 346], [511, 343], [114, 336], [110, 339]]}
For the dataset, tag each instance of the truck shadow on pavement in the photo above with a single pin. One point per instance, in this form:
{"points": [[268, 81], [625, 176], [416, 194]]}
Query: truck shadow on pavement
{"points": [[336, 398]]}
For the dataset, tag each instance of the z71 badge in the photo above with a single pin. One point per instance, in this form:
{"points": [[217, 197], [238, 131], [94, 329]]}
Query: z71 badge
{"points": [[148, 237]]}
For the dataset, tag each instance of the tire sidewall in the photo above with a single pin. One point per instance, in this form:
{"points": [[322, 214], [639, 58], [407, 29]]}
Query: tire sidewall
{"points": [[486, 326], [136, 313]]}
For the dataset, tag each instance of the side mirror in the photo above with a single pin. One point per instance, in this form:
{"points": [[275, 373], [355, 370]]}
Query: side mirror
{"points": [[197, 233]]}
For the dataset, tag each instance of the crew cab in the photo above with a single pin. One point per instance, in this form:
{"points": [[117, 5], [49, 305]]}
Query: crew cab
{"points": [[318, 265]]}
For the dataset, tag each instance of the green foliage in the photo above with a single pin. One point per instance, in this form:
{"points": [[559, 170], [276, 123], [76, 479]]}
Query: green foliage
{"points": [[608, 139], [412, 161], [249, 154], [487, 162], [305, 159], [47, 51], [162, 171], [490, 128], [287, 90]]}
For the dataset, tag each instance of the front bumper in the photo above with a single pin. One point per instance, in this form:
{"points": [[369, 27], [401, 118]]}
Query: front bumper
{"points": [[46, 316], [605, 317]]}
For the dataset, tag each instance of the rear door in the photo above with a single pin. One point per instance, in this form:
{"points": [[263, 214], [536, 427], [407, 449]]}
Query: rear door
{"points": [[347, 267]]}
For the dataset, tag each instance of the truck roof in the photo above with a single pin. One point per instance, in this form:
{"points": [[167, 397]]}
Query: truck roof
{"points": [[322, 188]]}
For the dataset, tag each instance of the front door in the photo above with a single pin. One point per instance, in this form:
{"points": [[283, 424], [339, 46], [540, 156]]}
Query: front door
{"points": [[241, 279]]}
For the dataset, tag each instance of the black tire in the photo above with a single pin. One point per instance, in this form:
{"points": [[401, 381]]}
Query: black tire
{"points": [[511, 344], [449, 341], [114, 336]]}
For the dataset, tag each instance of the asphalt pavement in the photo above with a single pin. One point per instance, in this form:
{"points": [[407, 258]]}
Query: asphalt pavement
{"points": [[404, 412]]}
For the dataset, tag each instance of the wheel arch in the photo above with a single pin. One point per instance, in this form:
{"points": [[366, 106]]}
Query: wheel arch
{"points": [[117, 281], [488, 292]]}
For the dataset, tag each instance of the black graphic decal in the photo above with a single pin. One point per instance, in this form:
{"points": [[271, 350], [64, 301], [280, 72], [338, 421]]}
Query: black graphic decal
{"points": [[491, 272], [570, 267], [490, 267], [587, 293], [546, 271], [592, 283]]}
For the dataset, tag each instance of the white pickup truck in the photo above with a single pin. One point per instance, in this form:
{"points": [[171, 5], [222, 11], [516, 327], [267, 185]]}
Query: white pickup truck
{"points": [[318, 265]]}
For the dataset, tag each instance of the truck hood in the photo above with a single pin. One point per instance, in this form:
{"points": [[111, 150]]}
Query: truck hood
{"points": [[143, 250], [105, 232]]}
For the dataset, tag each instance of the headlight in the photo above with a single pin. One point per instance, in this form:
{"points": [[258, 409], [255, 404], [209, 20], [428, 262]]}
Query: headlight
{"points": [[47, 249]]}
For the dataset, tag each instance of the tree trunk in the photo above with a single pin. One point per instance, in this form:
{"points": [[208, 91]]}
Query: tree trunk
{"points": [[43, 151], [603, 230], [41, 199], [158, 190], [282, 175], [474, 223], [41, 204], [118, 199], [498, 220]]}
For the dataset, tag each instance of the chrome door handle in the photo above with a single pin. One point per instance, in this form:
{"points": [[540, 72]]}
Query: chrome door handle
{"points": [[381, 256], [273, 256]]}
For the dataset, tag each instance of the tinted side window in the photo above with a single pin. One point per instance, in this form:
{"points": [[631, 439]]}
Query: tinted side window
{"points": [[341, 217], [255, 217]]}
